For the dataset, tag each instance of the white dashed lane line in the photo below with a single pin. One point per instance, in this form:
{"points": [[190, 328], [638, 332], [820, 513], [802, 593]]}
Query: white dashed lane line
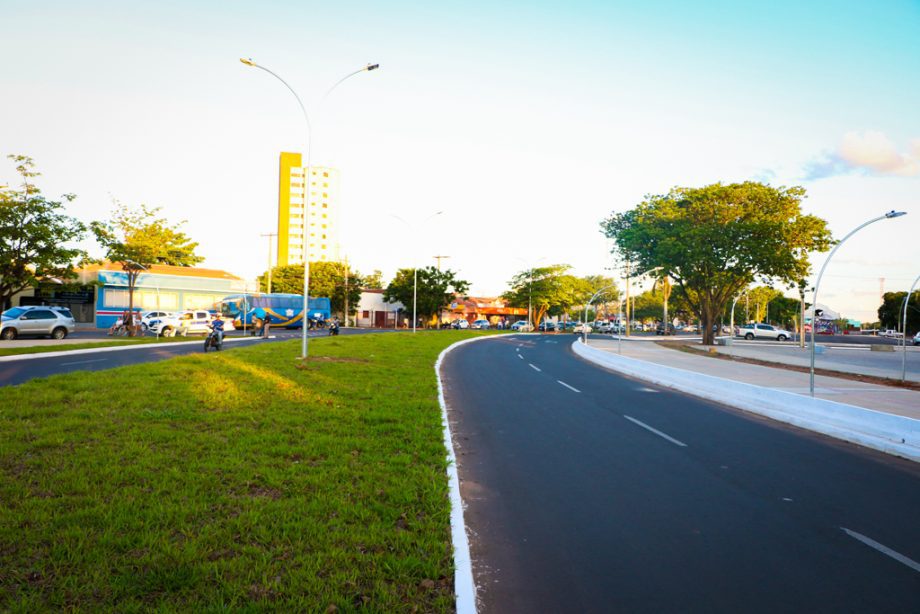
{"points": [[567, 386], [883, 549], [535, 367], [656, 431]]}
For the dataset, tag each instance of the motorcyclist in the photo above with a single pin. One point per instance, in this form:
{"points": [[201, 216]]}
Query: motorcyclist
{"points": [[334, 326], [217, 326]]}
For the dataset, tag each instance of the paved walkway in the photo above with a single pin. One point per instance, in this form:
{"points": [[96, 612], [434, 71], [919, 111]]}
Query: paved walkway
{"points": [[870, 396]]}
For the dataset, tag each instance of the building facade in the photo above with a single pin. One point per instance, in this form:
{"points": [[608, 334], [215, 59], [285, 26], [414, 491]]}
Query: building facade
{"points": [[321, 216], [374, 312]]}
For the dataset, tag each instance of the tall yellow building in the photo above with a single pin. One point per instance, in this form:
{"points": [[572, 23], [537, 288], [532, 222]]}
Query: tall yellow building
{"points": [[322, 218]]}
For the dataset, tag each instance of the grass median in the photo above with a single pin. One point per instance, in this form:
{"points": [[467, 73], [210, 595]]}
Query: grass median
{"points": [[233, 480]]}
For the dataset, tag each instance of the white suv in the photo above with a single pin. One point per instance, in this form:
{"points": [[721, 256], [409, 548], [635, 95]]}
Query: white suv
{"points": [[763, 331], [183, 323]]}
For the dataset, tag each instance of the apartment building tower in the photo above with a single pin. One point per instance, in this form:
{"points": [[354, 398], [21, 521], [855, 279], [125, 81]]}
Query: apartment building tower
{"points": [[322, 216]]}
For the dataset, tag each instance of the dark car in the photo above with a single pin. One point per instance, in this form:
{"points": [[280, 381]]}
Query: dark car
{"points": [[546, 327], [660, 329]]}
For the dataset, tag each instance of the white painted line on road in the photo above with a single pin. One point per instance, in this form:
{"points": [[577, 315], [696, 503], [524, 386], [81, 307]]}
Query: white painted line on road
{"points": [[567, 386], [883, 549], [656, 431], [83, 362], [534, 367], [646, 390], [521, 357]]}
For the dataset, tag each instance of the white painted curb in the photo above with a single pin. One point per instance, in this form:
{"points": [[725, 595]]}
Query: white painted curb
{"points": [[464, 587], [110, 348], [889, 433]]}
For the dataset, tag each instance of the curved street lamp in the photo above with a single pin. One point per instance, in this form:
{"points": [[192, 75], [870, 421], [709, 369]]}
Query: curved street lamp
{"points": [[731, 326], [415, 266], [307, 172], [584, 321], [904, 330], [814, 302]]}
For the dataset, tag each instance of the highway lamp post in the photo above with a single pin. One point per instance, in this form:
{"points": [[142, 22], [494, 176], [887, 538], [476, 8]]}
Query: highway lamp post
{"points": [[530, 267], [904, 329], [308, 171], [415, 266], [731, 325], [584, 321], [814, 302]]}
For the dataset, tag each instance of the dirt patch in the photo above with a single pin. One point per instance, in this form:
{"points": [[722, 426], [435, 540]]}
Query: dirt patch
{"points": [[869, 379]]}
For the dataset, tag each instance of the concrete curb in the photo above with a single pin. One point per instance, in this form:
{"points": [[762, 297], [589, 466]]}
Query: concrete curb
{"points": [[896, 435], [110, 348], [464, 586]]}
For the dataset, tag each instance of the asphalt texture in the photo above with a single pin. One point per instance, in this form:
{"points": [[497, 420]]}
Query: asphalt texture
{"points": [[574, 505], [18, 371]]}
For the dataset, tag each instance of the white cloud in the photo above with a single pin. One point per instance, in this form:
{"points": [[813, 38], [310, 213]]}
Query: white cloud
{"points": [[870, 152]]}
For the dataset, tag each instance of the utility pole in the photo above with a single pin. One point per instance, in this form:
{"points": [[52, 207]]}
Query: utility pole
{"points": [[270, 235], [628, 283], [346, 292], [439, 258]]}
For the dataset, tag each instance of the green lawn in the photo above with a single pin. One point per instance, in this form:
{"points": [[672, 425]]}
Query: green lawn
{"points": [[66, 347], [236, 481]]}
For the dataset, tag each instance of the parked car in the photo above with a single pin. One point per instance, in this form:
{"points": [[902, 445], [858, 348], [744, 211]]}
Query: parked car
{"points": [[890, 333], [763, 331], [521, 326], [546, 327], [185, 322], [480, 324], [580, 328], [601, 326], [690, 328], [56, 322], [149, 316], [661, 330], [460, 323], [916, 340]]}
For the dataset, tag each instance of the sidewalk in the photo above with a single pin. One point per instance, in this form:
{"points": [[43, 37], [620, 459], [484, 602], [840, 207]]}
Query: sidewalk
{"points": [[885, 399]]}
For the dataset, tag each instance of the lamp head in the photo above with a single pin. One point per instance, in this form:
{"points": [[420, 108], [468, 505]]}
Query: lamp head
{"points": [[371, 67], [892, 214], [247, 61]]}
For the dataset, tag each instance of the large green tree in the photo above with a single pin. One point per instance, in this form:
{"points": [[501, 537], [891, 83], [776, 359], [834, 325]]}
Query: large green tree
{"points": [[436, 289], [36, 238], [549, 290], [891, 310], [137, 239], [716, 240]]}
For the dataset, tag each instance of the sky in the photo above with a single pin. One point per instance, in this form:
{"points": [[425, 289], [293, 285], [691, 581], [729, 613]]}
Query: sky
{"points": [[526, 124]]}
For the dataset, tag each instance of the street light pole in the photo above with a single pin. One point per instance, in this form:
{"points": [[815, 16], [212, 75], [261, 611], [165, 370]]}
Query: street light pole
{"points": [[308, 171], [415, 267], [584, 321], [814, 303], [904, 330]]}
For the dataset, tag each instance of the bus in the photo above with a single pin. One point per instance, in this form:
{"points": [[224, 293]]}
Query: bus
{"points": [[281, 309]]}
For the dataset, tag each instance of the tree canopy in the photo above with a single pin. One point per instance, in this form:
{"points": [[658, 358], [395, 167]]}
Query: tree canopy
{"points": [[36, 237], [137, 235], [890, 311], [716, 240], [436, 289], [551, 290]]}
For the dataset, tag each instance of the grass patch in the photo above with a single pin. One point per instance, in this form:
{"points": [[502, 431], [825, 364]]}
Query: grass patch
{"points": [[231, 481], [66, 347]]}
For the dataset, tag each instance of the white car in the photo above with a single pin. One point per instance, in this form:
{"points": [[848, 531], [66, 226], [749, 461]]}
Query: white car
{"points": [[150, 316], [763, 331], [521, 326], [581, 328], [480, 324], [185, 322]]}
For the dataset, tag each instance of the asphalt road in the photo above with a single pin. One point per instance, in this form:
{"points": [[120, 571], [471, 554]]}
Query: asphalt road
{"points": [[589, 492], [18, 371]]}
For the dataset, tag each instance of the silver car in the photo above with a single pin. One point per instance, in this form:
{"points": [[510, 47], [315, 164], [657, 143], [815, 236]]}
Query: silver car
{"points": [[56, 322]]}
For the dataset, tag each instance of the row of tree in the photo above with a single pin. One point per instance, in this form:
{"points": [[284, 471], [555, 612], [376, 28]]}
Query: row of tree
{"points": [[38, 240]]}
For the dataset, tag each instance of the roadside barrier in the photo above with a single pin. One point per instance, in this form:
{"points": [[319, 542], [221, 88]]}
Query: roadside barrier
{"points": [[889, 433]]}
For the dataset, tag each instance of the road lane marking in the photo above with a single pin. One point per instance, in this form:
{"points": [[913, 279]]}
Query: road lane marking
{"points": [[83, 362], [883, 549], [646, 390], [573, 389], [534, 367], [521, 357], [656, 431]]}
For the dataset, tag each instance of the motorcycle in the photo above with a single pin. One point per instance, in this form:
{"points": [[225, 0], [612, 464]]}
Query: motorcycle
{"points": [[334, 329], [213, 341]]}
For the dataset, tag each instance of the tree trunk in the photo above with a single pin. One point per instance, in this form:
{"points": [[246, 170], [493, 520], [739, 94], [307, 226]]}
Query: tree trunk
{"points": [[132, 280], [707, 317]]}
